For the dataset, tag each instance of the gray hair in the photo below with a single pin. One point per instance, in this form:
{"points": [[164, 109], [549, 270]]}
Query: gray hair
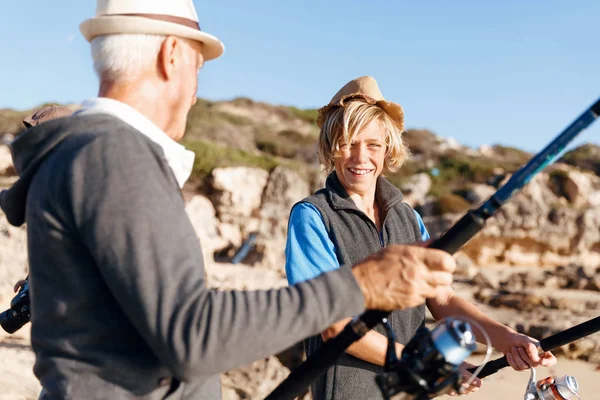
{"points": [[123, 57]]}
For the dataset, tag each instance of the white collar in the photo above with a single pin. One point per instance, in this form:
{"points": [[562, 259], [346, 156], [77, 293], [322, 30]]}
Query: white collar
{"points": [[177, 156]]}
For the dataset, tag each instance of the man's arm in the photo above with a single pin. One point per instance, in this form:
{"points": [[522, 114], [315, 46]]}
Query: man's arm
{"points": [[131, 219]]}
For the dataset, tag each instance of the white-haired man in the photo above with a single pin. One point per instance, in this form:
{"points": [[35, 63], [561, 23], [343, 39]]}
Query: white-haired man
{"points": [[120, 309]]}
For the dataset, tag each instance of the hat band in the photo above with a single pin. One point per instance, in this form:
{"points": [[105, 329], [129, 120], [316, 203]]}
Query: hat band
{"points": [[167, 18]]}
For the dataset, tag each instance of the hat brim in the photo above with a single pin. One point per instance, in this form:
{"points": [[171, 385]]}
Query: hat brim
{"points": [[394, 110], [108, 25]]}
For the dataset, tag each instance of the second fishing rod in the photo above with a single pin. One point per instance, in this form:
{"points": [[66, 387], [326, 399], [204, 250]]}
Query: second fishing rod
{"points": [[451, 241]]}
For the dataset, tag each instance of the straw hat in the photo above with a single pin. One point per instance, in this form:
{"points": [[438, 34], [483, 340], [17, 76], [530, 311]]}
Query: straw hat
{"points": [[364, 88], [46, 114], [156, 17]]}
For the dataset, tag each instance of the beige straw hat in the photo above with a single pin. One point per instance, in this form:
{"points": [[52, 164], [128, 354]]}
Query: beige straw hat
{"points": [[364, 88]]}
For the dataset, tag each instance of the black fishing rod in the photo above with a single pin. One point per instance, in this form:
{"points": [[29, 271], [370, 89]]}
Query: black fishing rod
{"points": [[452, 240]]}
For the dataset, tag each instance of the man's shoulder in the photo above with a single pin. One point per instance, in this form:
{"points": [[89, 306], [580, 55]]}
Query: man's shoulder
{"points": [[104, 125], [106, 133]]}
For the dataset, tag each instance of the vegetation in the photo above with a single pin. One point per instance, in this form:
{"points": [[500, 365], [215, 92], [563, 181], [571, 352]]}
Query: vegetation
{"points": [[308, 115], [210, 156], [243, 132], [451, 203], [586, 157]]}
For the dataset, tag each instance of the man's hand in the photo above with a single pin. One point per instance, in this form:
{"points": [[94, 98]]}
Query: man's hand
{"points": [[400, 277], [473, 386], [19, 284], [522, 353]]}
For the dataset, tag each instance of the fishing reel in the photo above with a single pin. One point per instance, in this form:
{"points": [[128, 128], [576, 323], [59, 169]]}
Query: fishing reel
{"points": [[563, 388], [429, 365]]}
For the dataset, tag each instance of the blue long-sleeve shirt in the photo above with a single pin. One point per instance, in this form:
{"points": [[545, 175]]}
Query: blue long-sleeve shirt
{"points": [[309, 252]]}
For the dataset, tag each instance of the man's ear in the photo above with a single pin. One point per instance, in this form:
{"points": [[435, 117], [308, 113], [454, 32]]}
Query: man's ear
{"points": [[168, 57]]}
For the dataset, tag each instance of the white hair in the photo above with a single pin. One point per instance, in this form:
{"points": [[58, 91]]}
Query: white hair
{"points": [[123, 57]]}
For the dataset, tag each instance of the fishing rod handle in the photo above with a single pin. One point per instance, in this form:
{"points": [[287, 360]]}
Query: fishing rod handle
{"points": [[491, 367], [460, 233]]}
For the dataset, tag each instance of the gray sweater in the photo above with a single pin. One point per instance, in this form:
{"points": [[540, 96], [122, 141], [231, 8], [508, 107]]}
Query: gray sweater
{"points": [[120, 307]]}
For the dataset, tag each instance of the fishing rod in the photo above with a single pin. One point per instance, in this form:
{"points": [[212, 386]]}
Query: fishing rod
{"points": [[548, 344], [452, 240]]}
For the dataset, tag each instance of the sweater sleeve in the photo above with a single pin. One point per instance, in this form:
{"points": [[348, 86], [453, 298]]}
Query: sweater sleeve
{"points": [[309, 252], [130, 216]]}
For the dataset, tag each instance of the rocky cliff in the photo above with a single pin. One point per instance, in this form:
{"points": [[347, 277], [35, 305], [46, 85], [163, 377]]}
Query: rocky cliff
{"points": [[535, 266]]}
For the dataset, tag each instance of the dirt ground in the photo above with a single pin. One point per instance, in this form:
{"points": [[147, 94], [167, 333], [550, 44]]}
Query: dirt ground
{"points": [[17, 381]]}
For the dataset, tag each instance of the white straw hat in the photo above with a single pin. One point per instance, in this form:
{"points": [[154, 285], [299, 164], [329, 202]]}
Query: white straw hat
{"points": [[157, 17]]}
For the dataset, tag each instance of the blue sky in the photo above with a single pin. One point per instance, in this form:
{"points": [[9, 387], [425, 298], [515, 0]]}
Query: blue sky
{"points": [[510, 72]]}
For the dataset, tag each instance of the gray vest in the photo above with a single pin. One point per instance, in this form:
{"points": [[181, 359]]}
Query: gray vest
{"points": [[355, 236]]}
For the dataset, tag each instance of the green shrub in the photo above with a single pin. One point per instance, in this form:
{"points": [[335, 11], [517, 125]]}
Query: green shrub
{"points": [[210, 156], [457, 169], [205, 120], [586, 157], [308, 115], [451, 203], [511, 155], [287, 143]]}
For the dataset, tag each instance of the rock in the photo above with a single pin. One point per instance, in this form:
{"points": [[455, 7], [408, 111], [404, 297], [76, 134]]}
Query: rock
{"points": [[577, 306], [594, 283], [517, 301], [284, 188], [486, 150], [486, 279], [6, 139], [465, 266], [416, 188], [571, 276], [239, 192], [6, 164], [535, 228], [447, 143], [588, 230], [581, 348], [13, 258], [225, 276], [258, 379], [202, 214], [477, 194], [255, 381], [578, 186], [518, 255]]}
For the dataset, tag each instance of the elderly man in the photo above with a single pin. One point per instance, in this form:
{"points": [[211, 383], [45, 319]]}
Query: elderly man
{"points": [[120, 307]]}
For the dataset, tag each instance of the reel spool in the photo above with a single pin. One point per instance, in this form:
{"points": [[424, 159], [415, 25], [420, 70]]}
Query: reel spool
{"points": [[430, 362], [563, 388]]}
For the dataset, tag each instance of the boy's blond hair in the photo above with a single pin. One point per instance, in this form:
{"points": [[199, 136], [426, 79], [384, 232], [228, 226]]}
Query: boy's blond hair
{"points": [[346, 122]]}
